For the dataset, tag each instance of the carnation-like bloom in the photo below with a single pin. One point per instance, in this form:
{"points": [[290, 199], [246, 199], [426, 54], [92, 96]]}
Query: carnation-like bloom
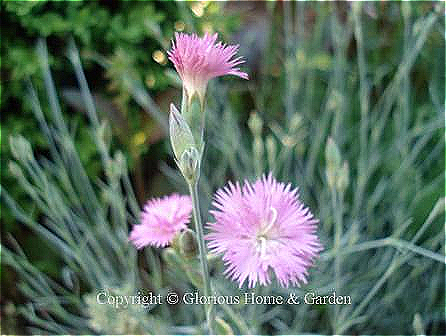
{"points": [[263, 227], [197, 60], [161, 219]]}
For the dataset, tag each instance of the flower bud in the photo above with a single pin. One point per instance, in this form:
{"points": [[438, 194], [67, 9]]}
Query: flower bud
{"points": [[332, 154], [296, 122], [193, 111], [21, 148], [417, 324], [120, 162], [194, 274], [333, 159], [212, 259], [116, 167], [343, 178], [405, 10], [188, 244], [189, 163], [331, 177], [15, 170], [255, 124], [222, 327], [334, 101], [171, 258], [271, 151], [181, 136]]}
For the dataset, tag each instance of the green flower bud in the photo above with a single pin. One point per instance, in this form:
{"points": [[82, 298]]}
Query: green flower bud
{"points": [[120, 162], [333, 159], [181, 136], [21, 148], [171, 258], [271, 151], [189, 163], [212, 259], [331, 177], [194, 275], [334, 101], [255, 124], [405, 10], [116, 167], [417, 324], [188, 244], [15, 170], [222, 327], [194, 115], [343, 178], [332, 154], [296, 122]]}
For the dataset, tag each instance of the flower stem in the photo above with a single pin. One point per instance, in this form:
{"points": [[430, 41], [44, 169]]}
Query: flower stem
{"points": [[210, 314], [337, 201]]}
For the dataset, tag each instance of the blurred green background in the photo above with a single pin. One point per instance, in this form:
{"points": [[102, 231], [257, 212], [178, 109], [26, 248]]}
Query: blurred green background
{"points": [[314, 69]]}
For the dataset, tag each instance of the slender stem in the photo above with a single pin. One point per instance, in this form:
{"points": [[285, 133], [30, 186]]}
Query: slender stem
{"points": [[288, 46], [210, 314], [365, 103], [363, 89], [337, 241]]}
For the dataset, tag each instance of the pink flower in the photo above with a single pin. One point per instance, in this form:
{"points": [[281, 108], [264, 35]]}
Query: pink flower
{"points": [[261, 227], [161, 219], [197, 60]]}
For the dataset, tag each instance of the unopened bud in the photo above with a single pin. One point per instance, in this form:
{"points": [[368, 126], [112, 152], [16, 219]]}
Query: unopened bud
{"points": [[194, 274], [343, 178], [271, 151], [255, 124], [333, 160], [331, 177], [121, 162], [189, 163], [193, 112], [15, 169], [21, 148], [222, 327], [405, 10], [417, 324], [212, 259], [116, 167], [181, 136], [332, 155], [296, 122], [188, 244], [171, 258], [334, 101]]}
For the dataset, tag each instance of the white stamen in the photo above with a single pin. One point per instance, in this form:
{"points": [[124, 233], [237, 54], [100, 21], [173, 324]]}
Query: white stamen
{"points": [[261, 248], [271, 219]]}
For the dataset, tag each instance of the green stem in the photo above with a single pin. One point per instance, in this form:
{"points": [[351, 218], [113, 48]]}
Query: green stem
{"points": [[210, 314], [338, 228]]}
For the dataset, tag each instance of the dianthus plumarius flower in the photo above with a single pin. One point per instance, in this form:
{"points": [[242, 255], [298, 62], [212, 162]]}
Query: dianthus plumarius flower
{"points": [[199, 59], [161, 219], [262, 228]]}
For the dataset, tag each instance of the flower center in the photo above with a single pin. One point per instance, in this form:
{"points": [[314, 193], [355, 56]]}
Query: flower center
{"points": [[263, 234]]}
